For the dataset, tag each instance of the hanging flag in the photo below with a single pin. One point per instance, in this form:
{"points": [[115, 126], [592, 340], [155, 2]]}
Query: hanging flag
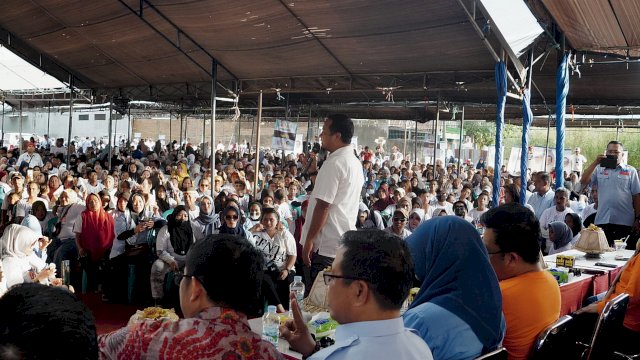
{"points": [[284, 135]]}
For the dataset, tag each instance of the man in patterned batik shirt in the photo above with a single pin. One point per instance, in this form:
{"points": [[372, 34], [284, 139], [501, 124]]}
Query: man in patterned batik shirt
{"points": [[219, 286]]}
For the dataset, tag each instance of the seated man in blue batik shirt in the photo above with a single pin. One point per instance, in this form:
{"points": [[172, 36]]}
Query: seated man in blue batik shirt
{"points": [[370, 279]]}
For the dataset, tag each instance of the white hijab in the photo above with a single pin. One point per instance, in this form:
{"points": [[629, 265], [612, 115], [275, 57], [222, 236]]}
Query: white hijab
{"points": [[16, 239]]}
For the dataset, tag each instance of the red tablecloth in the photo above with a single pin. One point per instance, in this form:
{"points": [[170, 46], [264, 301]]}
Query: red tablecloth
{"points": [[572, 295]]}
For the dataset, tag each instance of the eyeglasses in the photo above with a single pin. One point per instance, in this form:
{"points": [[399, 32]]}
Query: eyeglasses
{"points": [[328, 278], [178, 275], [231, 217], [495, 252], [401, 219]]}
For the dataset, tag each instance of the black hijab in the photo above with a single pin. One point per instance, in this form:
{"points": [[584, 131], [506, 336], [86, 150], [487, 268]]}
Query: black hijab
{"points": [[180, 233]]}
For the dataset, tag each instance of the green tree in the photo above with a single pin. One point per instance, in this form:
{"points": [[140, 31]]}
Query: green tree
{"points": [[482, 134]]}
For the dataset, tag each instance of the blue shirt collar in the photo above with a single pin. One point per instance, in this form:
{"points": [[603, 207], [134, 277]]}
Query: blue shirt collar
{"points": [[370, 328]]}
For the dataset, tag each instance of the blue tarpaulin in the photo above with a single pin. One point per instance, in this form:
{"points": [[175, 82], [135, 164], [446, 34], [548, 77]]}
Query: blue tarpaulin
{"points": [[562, 89], [527, 117], [501, 87]]}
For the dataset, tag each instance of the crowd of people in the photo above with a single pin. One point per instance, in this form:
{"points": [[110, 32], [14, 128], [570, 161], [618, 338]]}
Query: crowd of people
{"points": [[169, 225]]}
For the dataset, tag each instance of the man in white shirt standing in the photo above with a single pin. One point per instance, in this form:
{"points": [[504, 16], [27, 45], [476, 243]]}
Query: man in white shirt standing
{"points": [[30, 157], [333, 205], [577, 161]]}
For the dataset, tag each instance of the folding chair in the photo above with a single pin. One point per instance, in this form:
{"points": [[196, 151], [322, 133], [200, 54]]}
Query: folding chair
{"points": [[558, 340], [500, 354], [609, 321]]}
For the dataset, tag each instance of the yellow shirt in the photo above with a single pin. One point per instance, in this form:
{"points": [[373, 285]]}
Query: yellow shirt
{"points": [[530, 303]]}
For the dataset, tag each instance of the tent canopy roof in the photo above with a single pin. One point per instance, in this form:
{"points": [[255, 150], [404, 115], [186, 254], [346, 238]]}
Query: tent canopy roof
{"points": [[321, 52]]}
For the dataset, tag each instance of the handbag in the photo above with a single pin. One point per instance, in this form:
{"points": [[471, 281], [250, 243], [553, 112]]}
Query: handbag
{"points": [[136, 250], [317, 295]]}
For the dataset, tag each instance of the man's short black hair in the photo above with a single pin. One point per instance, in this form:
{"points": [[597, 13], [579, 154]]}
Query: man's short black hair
{"points": [[342, 124], [615, 142], [230, 270], [516, 229], [544, 176], [44, 322], [384, 260]]}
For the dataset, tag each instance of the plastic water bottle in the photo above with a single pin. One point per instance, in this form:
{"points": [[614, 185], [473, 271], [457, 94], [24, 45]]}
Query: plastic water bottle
{"points": [[297, 287], [271, 326]]}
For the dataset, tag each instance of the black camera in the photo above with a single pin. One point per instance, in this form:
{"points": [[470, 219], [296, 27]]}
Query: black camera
{"points": [[610, 162]]}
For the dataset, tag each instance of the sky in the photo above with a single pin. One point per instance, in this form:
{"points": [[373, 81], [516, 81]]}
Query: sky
{"points": [[17, 74]]}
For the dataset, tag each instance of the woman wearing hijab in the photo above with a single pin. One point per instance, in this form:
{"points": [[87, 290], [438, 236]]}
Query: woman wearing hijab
{"points": [[231, 223], [137, 238], [458, 310], [575, 224], [207, 221], [172, 244], [384, 198], [94, 236], [17, 243], [416, 216], [560, 236]]}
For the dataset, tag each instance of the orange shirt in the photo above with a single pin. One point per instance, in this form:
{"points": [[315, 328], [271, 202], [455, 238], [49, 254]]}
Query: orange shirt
{"points": [[530, 303], [628, 283]]}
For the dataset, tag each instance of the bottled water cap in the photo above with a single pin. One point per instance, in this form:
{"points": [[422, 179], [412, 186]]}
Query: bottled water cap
{"points": [[297, 278], [271, 308]]}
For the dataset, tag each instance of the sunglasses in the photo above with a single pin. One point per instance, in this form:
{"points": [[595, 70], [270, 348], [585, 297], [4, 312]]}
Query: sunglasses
{"points": [[401, 219], [231, 217]]}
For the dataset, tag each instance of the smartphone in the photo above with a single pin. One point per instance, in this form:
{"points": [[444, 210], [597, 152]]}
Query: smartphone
{"points": [[30, 173], [610, 162]]}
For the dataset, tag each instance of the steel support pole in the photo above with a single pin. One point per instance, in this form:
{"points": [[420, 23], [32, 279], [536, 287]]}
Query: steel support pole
{"points": [[460, 140], [186, 133], [110, 131], [129, 129], [21, 142], [415, 144], [49, 121], [404, 146], [257, 167], [435, 138], [546, 148], [214, 79], [204, 130], [2, 129], [309, 144], [70, 118], [180, 137], [170, 133]]}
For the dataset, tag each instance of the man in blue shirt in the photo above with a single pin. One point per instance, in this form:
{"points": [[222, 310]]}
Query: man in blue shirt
{"points": [[370, 279], [618, 195], [542, 197]]}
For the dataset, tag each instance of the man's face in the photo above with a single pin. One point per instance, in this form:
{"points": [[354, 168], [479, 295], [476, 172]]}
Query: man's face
{"points": [[561, 201], [617, 151], [337, 291], [540, 185], [399, 220], [496, 258], [30, 149], [326, 138]]}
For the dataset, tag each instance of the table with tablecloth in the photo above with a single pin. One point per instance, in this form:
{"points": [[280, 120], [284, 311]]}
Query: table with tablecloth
{"points": [[579, 288]]}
